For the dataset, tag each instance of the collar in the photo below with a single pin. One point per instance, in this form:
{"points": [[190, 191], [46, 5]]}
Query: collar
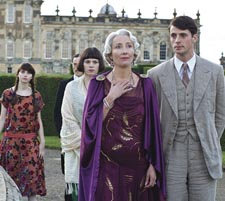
{"points": [[191, 64]]}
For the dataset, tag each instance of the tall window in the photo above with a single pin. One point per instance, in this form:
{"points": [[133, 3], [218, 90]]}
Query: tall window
{"points": [[146, 55], [147, 48], [81, 45], [66, 46], [98, 42], [27, 14], [10, 14], [65, 49], [162, 51], [27, 49], [49, 46], [10, 49]]}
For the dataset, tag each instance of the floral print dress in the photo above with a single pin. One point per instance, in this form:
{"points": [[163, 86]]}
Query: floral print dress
{"points": [[19, 148]]}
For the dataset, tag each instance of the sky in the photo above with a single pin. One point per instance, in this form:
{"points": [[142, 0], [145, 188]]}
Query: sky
{"points": [[212, 38]]}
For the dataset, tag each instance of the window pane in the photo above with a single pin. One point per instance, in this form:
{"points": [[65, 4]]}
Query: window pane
{"points": [[27, 14], [146, 55], [27, 50], [48, 54], [65, 49], [9, 69], [10, 49], [162, 51], [10, 14], [48, 46]]}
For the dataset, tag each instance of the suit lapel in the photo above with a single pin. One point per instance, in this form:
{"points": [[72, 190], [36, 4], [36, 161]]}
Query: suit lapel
{"points": [[202, 77], [168, 83]]}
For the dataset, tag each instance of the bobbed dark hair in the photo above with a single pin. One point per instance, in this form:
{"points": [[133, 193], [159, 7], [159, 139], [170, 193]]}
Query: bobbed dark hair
{"points": [[91, 53]]}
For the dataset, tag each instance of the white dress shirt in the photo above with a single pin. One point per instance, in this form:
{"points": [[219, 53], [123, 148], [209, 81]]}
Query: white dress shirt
{"points": [[191, 65]]}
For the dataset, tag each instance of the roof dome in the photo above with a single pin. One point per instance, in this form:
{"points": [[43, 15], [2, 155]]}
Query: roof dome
{"points": [[107, 10]]}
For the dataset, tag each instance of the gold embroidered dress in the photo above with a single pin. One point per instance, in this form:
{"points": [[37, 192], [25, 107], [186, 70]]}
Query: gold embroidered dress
{"points": [[122, 159]]}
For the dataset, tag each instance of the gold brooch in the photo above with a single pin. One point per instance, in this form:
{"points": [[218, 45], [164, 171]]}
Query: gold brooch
{"points": [[100, 77]]}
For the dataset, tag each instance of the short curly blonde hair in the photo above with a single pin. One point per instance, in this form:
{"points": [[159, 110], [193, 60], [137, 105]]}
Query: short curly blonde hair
{"points": [[108, 44]]}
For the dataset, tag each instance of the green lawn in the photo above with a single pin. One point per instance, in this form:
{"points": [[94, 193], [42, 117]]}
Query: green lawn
{"points": [[52, 142]]}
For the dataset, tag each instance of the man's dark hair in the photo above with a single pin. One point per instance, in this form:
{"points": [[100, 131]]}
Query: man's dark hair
{"points": [[75, 56], [183, 23]]}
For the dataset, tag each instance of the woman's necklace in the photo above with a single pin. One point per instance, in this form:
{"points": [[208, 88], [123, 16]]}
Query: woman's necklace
{"points": [[131, 80]]}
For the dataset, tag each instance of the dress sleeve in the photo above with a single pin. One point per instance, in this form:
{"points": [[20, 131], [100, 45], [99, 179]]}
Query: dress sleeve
{"points": [[6, 98], [39, 101]]}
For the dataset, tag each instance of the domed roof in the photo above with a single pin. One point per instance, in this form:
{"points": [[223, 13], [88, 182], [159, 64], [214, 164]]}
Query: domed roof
{"points": [[107, 10]]}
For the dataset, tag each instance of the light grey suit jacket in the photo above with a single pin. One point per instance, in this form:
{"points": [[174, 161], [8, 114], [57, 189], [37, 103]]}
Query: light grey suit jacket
{"points": [[209, 108]]}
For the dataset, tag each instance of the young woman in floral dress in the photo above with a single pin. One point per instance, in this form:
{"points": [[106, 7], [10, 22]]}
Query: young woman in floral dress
{"points": [[22, 145]]}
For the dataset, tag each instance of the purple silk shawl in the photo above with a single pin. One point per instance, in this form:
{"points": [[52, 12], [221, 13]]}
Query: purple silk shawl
{"points": [[92, 132]]}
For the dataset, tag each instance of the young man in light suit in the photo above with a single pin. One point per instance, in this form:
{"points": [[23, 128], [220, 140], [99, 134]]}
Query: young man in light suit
{"points": [[192, 111]]}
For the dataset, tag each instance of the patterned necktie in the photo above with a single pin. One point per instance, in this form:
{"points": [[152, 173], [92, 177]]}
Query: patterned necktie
{"points": [[185, 78]]}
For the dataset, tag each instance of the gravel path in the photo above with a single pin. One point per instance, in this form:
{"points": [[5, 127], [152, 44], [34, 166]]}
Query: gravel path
{"points": [[221, 189], [55, 179]]}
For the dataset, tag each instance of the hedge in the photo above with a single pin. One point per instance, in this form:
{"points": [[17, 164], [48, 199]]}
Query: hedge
{"points": [[47, 85]]}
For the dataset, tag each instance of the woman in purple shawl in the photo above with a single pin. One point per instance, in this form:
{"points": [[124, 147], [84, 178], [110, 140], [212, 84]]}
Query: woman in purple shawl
{"points": [[121, 151]]}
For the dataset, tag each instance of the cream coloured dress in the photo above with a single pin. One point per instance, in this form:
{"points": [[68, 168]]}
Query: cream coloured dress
{"points": [[72, 110]]}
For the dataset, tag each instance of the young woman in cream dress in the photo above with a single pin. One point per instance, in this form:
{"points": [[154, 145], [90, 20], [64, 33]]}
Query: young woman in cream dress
{"points": [[91, 62]]}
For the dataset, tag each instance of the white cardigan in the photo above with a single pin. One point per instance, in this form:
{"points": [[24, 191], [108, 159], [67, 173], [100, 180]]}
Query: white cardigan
{"points": [[72, 111]]}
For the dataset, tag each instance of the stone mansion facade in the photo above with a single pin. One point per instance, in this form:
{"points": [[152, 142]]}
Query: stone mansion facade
{"points": [[49, 41]]}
